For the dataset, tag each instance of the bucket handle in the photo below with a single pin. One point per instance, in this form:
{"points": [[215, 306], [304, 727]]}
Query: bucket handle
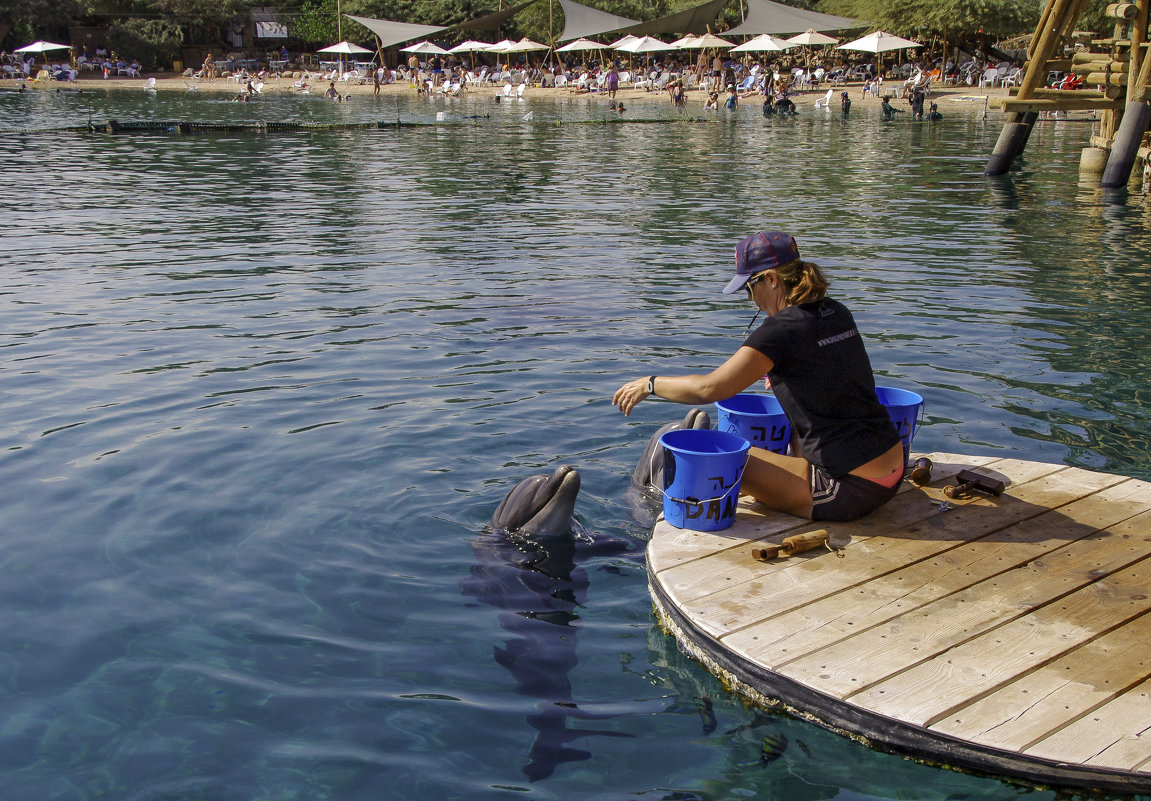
{"points": [[738, 478]]}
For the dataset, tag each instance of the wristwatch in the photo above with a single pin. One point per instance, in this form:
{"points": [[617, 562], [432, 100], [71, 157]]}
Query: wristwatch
{"points": [[651, 385]]}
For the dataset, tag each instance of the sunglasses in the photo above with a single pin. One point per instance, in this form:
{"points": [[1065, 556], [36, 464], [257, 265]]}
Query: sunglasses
{"points": [[752, 281]]}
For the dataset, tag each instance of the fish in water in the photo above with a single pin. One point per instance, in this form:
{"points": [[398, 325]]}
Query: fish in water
{"points": [[773, 747], [528, 565]]}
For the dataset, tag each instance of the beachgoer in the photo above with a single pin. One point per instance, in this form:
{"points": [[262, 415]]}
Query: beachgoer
{"points": [[845, 103], [611, 82], [332, 91], [847, 455], [730, 101], [413, 69], [934, 114], [918, 96], [889, 111], [376, 82], [712, 102]]}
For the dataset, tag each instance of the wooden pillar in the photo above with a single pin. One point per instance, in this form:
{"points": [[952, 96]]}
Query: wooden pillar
{"points": [[1137, 114], [1057, 15]]}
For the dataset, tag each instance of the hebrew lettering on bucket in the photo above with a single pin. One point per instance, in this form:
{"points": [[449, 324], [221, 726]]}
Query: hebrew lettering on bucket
{"points": [[717, 509]]}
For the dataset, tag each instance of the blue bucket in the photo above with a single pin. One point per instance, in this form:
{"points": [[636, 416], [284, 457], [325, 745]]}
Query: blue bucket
{"points": [[757, 418], [702, 471], [904, 408]]}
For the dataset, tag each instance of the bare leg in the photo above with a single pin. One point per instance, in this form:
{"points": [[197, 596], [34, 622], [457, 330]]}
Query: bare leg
{"points": [[780, 482]]}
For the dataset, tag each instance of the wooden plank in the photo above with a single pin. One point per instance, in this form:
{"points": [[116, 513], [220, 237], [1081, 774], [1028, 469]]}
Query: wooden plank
{"points": [[1041, 702], [1020, 104], [857, 608], [846, 668], [675, 554], [1119, 727], [672, 546], [741, 592], [1044, 624]]}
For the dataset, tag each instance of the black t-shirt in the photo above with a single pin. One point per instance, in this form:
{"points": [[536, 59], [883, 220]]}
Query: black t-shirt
{"points": [[822, 378]]}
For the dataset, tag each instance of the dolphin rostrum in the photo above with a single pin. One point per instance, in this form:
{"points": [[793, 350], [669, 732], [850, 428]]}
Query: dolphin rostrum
{"points": [[540, 504]]}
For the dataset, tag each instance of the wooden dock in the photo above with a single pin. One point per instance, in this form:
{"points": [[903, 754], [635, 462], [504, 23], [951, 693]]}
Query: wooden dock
{"points": [[1004, 635]]}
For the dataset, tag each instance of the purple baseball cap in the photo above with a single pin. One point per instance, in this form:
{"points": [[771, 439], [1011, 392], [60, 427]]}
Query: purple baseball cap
{"points": [[758, 252]]}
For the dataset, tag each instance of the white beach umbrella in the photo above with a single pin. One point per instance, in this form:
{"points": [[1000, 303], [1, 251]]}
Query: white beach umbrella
{"points": [[618, 43], [344, 49], [709, 41], [686, 43], [425, 47], [471, 46], [501, 47], [645, 44], [524, 45], [812, 37], [581, 44], [764, 43], [879, 42], [42, 47]]}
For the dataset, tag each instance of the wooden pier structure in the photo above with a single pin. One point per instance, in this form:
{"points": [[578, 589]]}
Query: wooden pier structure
{"points": [[1116, 67], [1004, 635]]}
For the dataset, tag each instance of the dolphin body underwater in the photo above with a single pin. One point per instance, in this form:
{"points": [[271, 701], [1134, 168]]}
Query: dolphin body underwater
{"points": [[528, 565]]}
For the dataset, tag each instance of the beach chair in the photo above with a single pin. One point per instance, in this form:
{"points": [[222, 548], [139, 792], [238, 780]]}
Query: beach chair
{"points": [[990, 77], [1013, 77], [561, 80], [825, 101], [150, 85], [520, 91], [508, 91]]}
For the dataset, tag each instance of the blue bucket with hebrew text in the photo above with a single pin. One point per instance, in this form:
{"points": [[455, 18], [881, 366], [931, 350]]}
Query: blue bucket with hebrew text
{"points": [[702, 473], [904, 407], [757, 418]]}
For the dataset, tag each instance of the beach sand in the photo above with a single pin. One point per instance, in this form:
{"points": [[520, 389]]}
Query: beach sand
{"points": [[174, 82]]}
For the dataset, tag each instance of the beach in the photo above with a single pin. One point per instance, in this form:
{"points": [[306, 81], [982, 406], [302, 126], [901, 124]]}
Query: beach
{"points": [[175, 82]]}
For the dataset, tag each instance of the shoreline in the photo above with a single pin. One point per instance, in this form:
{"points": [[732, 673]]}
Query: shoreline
{"points": [[175, 82]]}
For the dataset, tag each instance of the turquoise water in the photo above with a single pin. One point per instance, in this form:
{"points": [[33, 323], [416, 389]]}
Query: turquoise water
{"points": [[262, 393]]}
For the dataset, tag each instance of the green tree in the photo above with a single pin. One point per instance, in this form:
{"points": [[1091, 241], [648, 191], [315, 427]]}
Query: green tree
{"points": [[316, 22], [201, 19], [952, 19], [154, 42], [23, 21]]}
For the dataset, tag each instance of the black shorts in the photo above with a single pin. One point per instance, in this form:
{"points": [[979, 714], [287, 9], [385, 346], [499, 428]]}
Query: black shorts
{"points": [[846, 498]]}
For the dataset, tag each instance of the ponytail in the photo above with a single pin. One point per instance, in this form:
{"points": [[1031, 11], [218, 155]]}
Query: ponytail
{"points": [[803, 281]]}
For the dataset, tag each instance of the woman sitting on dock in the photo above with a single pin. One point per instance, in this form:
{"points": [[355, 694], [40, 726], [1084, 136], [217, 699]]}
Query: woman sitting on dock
{"points": [[848, 458]]}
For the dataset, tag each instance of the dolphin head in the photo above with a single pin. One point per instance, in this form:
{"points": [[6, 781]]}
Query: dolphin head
{"points": [[649, 469], [540, 504]]}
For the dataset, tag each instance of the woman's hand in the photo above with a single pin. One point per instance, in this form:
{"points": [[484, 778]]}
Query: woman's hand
{"points": [[630, 394]]}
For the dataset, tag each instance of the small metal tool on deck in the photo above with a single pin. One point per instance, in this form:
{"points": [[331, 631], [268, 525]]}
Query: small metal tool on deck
{"points": [[921, 472], [970, 481], [797, 543]]}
